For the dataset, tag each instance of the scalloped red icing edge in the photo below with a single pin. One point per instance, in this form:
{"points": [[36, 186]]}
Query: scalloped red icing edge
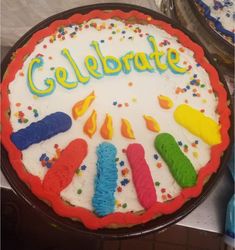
{"points": [[88, 218]]}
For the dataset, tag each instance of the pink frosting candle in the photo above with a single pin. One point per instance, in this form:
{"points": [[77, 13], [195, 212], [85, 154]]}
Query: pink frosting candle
{"points": [[141, 175]]}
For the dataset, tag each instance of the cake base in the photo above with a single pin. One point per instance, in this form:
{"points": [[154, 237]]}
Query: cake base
{"points": [[157, 224]]}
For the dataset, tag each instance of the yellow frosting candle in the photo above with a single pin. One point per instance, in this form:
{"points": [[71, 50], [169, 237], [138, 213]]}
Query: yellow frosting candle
{"points": [[198, 124]]}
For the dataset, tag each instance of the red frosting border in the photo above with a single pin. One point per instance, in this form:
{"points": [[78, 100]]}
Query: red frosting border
{"points": [[88, 218]]}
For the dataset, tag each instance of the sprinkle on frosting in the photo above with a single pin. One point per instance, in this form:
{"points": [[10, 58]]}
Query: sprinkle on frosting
{"points": [[124, 205], [125, 172], [79, 191], [157, 183], [83, 167], [121, 163], [194, 86], [103, 200], [46, 161], [124, 182], [120, 105], [159, 164], [155, 157], [35, 113], [21, 117]]}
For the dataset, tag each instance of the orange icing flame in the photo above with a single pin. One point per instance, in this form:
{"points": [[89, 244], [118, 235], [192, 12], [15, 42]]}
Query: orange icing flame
{"points": [[106, 130], [151, 123], [126, 129], [81, 107], [165, 102], [90, 125]]}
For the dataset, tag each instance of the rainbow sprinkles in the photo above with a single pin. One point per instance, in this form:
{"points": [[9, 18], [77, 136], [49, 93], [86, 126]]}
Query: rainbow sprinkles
{"points": [[110, 66]]}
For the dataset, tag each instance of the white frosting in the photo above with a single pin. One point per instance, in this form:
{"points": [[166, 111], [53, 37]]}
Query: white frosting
{"points": [[225, 14], [146, 88]]}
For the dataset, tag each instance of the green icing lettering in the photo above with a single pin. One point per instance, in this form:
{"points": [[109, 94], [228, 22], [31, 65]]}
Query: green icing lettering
{"points": [[126, 62], [61, 76], [141, 62], [111, 65], [156, 54], [92, 66], [179, 165], [49, 82], [173, 58], [80, 77]]}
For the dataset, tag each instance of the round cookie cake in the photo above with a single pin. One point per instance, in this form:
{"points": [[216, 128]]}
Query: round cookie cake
{"points": [[220, 16], [113, 118]]}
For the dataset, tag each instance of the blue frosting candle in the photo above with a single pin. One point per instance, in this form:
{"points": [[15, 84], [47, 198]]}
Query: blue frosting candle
{"points": [[41, 130], [106, 179]]}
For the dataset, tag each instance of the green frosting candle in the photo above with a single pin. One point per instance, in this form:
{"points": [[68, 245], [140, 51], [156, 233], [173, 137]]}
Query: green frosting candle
{"points": [[179, 165]]}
